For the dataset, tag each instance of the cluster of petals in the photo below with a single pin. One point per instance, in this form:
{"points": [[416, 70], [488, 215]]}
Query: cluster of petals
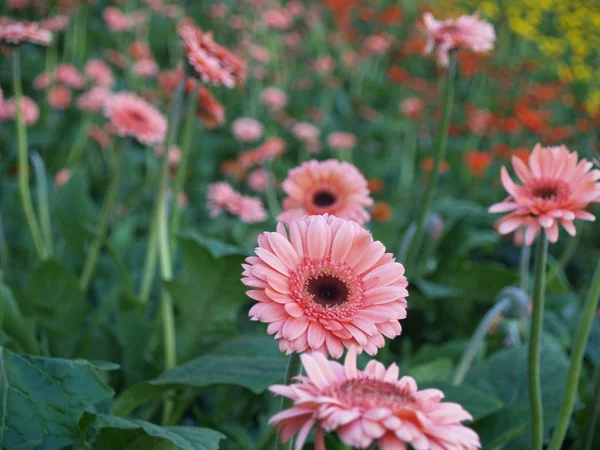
{"points": [[326, 285], [133, 116], [213, 63], [372, 405], [99, 72], [16, 33], [272, 148], [465, 32], [341, 140], [95, 99], [116, 20], [556, 189], [222, 197], [326, 187], [246, 129], [29, 109]]}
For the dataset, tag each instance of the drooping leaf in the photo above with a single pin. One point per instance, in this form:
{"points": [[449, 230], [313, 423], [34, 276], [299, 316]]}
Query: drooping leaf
{"points": [[44, 398]]}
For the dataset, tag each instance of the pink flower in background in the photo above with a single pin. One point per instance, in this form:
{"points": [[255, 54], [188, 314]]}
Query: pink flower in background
{"points": [[466, 31], [324, 64], [251, 210], [306, 131], [339, 140], [324, 286], [69, 75], [272, 148], [478, 120], [174, 154], [412, 107], [62, 177], [326, 187], [372, 405], [258, 180], [377, 44], [95, 99], [259, 53], [99, 72], [274, 98], [101, 136], [30, 110], [145, 68], [43, 81], [132, 116], [557, 187], [56, 23], [60, 97], [246, 129], [17, 33], [213, 63], [222, 197], [279, 18], [116, 20]]}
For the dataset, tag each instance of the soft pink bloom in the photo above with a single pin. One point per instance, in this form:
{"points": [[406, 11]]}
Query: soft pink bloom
{"points": [[377, 44], [339, 140], [118, 21], [557, 188], [466, 31], [17, 33], [327, 286], [69, 75], [222, 197], [246, 129], [56, 23], [60, 97], [43, 81], [272, 148], [258, 180], [145, 68], [101, 136], [213, 63], [218, 11], [95, 99], [174, 154], [259, 53], [372, 405], [274, 98], [279, 18], [99, 72], [320, 187], [62, 177], [479, 120], [132, 116], [29, 109], [306, 131], [412, 107], [324, 64]]}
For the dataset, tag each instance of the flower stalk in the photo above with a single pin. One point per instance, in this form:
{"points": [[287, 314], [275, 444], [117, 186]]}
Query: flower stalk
{"points": [[294, 367]]}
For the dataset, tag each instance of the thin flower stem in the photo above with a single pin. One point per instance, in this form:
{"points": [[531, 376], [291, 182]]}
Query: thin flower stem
{"points": [[440, 152], [149, 263], [43, 201], [272, 201], [186, 144], [535, 338], [577, 354], [524, 267], [91, 261], [294, 367], [480, 333], [593, 419], [78, 144], [24, 162], [409, 150]]}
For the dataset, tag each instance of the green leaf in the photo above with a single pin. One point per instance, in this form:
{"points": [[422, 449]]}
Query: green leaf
{"points": [[185, 438], [43, 399], [136, 396], [252, 372], [436, 370], [436, 291], [502, 428]]}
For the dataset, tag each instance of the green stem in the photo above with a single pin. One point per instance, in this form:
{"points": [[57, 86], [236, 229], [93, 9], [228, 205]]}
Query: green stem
{"points": [[24, 162], [100, 233], [78, 144], [272, 201], [43, 201], [4, 253], [186, 144], [583, 332], [593, 419], [15, 324], [440, 152], [480, 333], [294, 367], [409, 150], [537, 314], [149, 263], [524, 267]]}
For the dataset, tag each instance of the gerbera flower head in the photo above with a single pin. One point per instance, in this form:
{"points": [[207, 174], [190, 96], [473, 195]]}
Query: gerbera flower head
{"points": [[222, 197], [326, 286], [16, 33], [319, 187], [466, 31], [132, 116], [368, 406], [557, 187], [213, 63], [29, 109], [246, 129]]}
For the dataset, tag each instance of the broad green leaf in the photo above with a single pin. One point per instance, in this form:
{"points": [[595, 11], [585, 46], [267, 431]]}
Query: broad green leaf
{"points": [[253, 372], [184, 438], [436, 291], [44, 398], [136, 396], [435, 370], [503, 427]]}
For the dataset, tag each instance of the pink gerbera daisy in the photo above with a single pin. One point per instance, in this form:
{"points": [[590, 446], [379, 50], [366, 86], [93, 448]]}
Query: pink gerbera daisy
{"points": [[213, 63], [327, 286], [16, 33], [330, 186], [222, 197], [132, 116], [556, 189], [466, 31], [370, 405]]}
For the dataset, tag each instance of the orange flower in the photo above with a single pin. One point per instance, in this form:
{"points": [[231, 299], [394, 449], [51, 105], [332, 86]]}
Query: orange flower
{"points": [[381, 212], [427, 165], [375, 185], [478, 162]]}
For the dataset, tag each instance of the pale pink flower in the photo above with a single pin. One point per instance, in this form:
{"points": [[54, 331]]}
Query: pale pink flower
{"points": [[43, 81], [556, 190], [246, 129], [258, 180], [17, 33], [116, 20], [466, 31], [412, 107], [99, 72], [69, 75], [174, 154], [306, 131], [95, 99], [259, 53], [251, 210], [377, 44], [320, 187], [145, 68], [132, 116], [339, 140], [372, 405], [327, 286], [324, 64], [62, 177], [272, 148], [60, 97], [56, 23], [274, 98], [222, 197], [101, 136], [29, 109], [279, 18]]}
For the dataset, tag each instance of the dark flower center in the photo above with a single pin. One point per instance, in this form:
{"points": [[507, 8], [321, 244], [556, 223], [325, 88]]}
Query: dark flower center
{"points": [[373, 393], [323, 199], [328, 291], [546, 192], [136, 116]]}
